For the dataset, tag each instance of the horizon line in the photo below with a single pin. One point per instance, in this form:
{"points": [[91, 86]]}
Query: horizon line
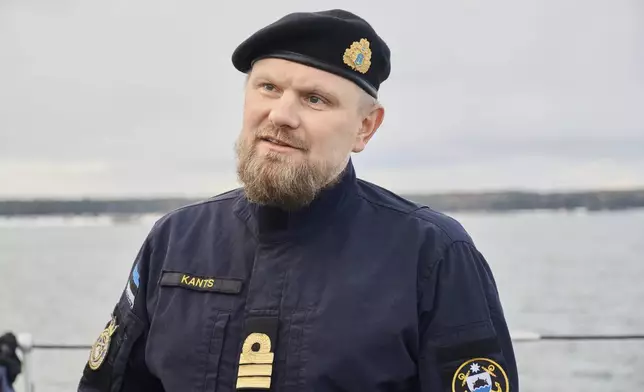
{"points": [[160, 196]]}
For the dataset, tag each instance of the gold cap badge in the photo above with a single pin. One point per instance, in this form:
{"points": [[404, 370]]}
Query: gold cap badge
{"points": [[358, 56]]}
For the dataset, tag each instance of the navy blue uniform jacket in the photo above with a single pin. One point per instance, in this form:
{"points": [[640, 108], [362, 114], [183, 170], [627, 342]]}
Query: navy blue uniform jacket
{"points": [[361, 291]]}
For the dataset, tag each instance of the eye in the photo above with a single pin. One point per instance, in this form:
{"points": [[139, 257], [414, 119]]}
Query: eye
{"points": [[315, 100], [268, 87]]}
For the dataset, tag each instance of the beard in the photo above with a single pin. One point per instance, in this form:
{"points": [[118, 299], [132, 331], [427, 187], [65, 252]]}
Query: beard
{"points": [[278, 179]]}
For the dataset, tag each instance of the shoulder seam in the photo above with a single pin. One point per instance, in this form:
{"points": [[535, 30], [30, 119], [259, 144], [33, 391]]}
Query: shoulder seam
{"points": [[387, 206], [215, 199], [411, 213], [433, 223], [432, 266]]}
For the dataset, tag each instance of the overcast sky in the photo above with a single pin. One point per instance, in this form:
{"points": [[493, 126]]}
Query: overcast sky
{"points": [[123, 98]]}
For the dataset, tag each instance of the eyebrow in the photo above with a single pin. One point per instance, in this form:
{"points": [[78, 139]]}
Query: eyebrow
{"points": [[307, 88], [319, 90]]}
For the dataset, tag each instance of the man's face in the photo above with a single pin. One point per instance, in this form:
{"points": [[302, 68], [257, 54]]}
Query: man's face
{"points": [[300, 125]]}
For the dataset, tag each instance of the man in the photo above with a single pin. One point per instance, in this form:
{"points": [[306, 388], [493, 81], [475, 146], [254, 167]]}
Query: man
{"points": [[10, 364], [307, 278]]}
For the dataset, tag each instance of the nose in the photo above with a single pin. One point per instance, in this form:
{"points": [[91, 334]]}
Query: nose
{"points": [[284, 112]]}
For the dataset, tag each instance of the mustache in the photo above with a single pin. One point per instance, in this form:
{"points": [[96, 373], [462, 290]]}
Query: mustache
{"points": [[281, 135]]}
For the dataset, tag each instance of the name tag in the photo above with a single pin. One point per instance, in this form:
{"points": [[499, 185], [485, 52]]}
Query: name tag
{"points": [[201, 283]]}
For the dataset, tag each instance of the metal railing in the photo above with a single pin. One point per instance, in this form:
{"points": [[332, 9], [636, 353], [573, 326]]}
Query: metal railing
{"points": [[27, 345]]}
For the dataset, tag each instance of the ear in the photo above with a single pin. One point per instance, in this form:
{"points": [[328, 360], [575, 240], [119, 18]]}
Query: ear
{"points": [[370, 125]]}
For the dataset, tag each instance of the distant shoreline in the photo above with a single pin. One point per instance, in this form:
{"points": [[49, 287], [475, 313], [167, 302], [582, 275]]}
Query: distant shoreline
{"points": [[453, 202]]}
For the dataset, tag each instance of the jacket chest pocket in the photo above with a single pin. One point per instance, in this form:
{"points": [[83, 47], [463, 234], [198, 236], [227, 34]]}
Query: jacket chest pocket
{"points": [[297, 352], [215, 352], [189, 331]]}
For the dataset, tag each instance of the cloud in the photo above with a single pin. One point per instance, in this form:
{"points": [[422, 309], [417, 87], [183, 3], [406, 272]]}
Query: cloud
{"points": [[533, 94]]}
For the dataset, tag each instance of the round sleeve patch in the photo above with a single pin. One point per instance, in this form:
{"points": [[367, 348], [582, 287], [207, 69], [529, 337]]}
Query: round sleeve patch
{"points": [[480, 375], [102, 345]]}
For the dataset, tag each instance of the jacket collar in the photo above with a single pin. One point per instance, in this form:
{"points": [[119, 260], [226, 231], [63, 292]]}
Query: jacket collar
{"points": [[272, 223]]}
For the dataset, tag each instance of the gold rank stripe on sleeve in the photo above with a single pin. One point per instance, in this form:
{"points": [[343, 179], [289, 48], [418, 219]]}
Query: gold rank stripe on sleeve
{"points": [[201, 283], [253, 383], [251, 370]]}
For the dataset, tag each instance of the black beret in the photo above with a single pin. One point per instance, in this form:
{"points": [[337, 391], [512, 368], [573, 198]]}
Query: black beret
{"points": [[335, 41]]}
